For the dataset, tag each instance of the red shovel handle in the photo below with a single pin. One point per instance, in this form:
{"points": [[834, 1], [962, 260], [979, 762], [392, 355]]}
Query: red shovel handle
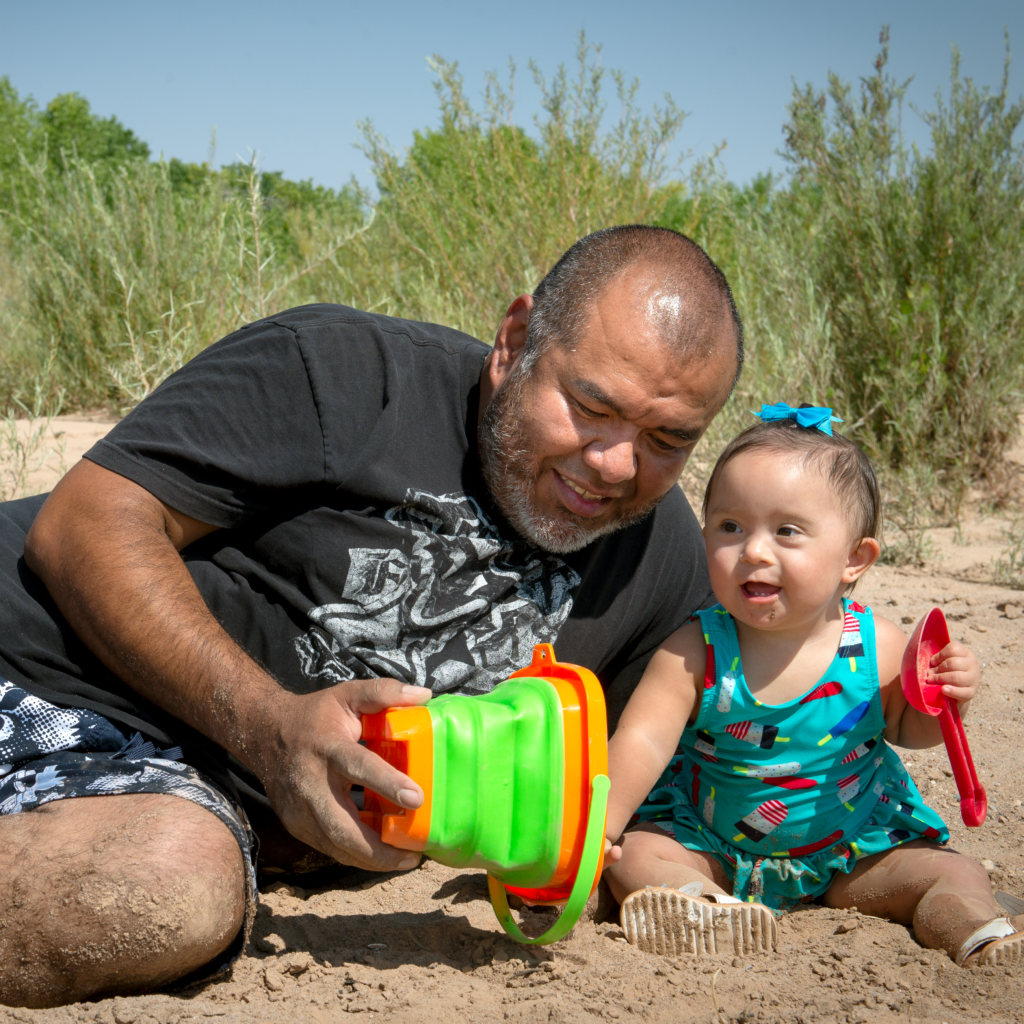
{"points": [[973, 801], [930, 637]]}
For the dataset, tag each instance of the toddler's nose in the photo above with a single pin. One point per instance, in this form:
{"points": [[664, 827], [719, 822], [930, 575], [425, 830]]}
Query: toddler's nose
{"points": [[757, 550]]}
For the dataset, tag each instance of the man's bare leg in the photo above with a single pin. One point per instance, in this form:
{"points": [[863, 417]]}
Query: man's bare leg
{"points": [[651, 857], [944, 895], [113, 895]]}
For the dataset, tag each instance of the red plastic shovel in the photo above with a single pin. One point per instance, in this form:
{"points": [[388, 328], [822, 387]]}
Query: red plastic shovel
{"points": [[931, 635]]}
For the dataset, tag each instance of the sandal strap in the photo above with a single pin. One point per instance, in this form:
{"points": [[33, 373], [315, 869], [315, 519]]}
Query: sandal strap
{"points": [[1000, 928]]}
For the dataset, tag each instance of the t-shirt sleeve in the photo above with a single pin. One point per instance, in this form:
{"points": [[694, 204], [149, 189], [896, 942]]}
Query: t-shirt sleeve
{"points": [[231, 435]]}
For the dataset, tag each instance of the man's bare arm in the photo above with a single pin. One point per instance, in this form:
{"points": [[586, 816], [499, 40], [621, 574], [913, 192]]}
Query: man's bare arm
{"points": [[107, 551]]}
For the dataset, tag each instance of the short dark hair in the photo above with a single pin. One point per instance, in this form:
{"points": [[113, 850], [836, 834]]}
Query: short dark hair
{"points": [[844, 464], [564, 300]]}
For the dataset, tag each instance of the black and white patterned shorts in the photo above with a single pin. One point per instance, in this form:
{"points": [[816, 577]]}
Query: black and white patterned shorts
{"points": [[49, 753]]}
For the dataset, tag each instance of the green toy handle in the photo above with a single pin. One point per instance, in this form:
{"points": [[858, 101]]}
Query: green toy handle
{"points": [[593, 851]]}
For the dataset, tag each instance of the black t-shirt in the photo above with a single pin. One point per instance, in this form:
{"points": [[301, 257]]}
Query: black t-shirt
{"points": [[337, 452]]}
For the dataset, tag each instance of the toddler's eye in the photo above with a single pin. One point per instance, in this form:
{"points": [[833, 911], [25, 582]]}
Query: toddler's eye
{"points": [[786, 531], [728, 527]]}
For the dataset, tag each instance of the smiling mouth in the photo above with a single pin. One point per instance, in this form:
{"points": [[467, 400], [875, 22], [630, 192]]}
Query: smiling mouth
{"points": [[760, 590], [581, 491]]}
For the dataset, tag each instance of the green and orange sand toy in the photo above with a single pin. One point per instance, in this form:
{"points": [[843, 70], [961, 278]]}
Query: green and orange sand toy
{"points": [[514, 781]]}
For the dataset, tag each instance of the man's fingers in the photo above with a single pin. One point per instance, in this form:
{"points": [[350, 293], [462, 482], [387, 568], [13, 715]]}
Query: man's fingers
{"points": [[337, 830], [368, 696], [358, 765]]}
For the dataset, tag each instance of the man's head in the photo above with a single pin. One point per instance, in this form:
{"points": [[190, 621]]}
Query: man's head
{"points": [[602, 382]]}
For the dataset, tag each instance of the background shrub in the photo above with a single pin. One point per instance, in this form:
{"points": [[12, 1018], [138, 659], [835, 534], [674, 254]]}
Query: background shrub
{"points": [[876, 278]]}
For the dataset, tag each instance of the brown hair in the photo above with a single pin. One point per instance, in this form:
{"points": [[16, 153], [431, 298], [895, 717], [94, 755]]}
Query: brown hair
{"points": [[845, 466]]}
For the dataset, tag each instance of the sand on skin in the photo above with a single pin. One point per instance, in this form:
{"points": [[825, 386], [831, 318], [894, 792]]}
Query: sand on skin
{"points": [[426, 945]]}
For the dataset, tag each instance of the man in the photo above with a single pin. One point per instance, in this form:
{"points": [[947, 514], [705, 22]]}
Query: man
{"points": [[325, 514]]}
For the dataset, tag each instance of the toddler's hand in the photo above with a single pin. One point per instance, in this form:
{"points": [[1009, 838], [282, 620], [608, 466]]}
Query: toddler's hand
{"points": [[958, 670], [612, 854]]}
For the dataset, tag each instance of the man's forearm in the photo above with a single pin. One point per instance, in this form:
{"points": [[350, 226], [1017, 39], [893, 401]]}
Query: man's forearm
{"points": [[107, 551], [112, 568]]}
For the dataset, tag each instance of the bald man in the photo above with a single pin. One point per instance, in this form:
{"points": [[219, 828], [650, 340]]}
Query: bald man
{"points": [[327, 513]]}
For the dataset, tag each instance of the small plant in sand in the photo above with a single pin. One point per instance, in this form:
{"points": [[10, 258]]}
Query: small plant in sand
{"points": [[1009, 567], [27, 444]]}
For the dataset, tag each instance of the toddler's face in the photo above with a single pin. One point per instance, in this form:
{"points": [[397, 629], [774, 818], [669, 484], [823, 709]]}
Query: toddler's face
{"points": [[779, 547]]}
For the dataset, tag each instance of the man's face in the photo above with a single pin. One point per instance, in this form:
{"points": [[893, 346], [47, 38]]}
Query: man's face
{"points": [[595, 435]]}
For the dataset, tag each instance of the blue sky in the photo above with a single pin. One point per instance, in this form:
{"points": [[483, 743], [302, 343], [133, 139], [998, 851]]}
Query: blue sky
{"points": [[292, 80]]}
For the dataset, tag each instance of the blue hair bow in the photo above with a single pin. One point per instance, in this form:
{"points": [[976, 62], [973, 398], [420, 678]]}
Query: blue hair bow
{"points": [[812, 416]]}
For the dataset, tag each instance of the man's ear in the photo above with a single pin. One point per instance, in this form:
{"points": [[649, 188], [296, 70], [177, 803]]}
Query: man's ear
{"points": [[863, 556], [510, 340]]}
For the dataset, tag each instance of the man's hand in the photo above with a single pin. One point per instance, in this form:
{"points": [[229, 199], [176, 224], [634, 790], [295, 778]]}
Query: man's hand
{"points": [[956, 667], [312, 758]]}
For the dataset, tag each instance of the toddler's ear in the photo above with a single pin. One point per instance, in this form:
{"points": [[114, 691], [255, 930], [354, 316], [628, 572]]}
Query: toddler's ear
{"points": [[862, 557]]}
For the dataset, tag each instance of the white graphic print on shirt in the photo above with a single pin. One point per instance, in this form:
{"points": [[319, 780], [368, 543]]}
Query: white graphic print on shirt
{"points": [[461, 609]]}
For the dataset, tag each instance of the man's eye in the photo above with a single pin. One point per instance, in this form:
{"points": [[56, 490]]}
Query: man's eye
{"points": [[592, 413], [667, 447]]}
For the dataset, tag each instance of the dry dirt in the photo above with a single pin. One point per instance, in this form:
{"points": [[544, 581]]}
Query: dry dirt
{"points": [[426, 946]]}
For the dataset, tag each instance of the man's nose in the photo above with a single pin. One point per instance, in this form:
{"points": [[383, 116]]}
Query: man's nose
{"points": [[615, 461]]}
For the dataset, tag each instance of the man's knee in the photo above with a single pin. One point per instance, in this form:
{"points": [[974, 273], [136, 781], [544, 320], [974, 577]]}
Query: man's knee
{"points": [[113, 894]]}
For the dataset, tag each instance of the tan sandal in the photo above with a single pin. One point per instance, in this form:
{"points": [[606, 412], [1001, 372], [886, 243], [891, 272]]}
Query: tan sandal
{"points": [[1003, 951], [669, 922], [997, 942]]}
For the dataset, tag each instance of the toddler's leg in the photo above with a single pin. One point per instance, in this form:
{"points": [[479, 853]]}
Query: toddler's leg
{"points": [[945, 896], [650, 856], [676, 900]]}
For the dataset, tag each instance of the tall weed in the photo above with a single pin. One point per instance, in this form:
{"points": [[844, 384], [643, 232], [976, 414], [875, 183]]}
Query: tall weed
{"points": [[478, 210], [918, 258], [884, 282]]}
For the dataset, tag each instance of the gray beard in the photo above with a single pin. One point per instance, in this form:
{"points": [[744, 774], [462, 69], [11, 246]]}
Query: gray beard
{"points": [[510, 471]]}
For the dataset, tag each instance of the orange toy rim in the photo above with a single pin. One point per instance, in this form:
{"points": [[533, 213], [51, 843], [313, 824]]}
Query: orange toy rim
{"points": [[585, 730]]}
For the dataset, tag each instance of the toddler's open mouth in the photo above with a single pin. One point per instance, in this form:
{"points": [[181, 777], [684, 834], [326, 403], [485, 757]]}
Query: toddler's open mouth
{"points": [[760, 591]]}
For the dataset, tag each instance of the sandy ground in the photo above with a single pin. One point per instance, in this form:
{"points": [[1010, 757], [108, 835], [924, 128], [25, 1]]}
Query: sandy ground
{"points": [[426, 946]]}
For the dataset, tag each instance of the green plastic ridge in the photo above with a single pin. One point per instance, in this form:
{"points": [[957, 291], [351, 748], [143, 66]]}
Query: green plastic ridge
{"points": [[593, 849], [499, 770]]}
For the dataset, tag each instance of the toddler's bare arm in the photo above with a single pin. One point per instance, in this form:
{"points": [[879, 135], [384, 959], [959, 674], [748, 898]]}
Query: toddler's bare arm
{"points": [[654, 719]]}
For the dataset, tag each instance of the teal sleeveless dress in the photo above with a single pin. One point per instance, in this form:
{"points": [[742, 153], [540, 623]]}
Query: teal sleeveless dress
{"points": [[786, 795]]}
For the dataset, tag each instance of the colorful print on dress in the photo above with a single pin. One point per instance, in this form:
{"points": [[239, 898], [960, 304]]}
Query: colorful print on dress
{"points": [[821, 844], [825, 690], [706, 745], [727, 689], [848, 789], [859, 751], [760, 823], [847, 722], [851, 645], [789, 782], [709, 807], [768, 771], [757, 735], [709, 673]]}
